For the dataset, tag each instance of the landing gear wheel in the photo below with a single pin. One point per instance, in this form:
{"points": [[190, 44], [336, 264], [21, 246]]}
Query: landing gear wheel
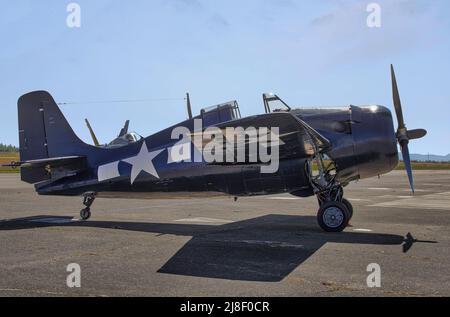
{"points": [[85, 214], [333, 216], [349, 208], [88, 200]]}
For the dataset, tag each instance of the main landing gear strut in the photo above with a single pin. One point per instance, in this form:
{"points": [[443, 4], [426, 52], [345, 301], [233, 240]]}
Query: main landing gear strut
{"points": [[335, 211], [88, 200]]}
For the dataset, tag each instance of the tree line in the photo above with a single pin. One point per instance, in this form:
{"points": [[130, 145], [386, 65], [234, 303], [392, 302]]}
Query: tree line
{"points": [[8, 148]]}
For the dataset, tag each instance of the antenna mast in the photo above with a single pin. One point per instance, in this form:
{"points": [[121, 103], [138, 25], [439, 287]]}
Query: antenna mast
{"points": [[189, 107]]}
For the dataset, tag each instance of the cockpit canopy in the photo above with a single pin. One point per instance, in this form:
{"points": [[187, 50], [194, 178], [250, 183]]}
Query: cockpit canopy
{"points": [[221, 113], [273, 103]]}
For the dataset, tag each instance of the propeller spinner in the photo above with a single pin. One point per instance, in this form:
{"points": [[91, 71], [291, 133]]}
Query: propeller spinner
{"points": [[403, 134]]}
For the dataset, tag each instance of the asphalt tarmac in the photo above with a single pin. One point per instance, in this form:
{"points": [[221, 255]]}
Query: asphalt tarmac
{"points": [[260, 246]]}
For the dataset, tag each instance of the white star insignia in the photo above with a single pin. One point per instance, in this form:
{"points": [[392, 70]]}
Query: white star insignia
{"points": [[143, 162]]}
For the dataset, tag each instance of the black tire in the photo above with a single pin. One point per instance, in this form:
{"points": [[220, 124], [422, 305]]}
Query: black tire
{"points": [[349, 207], [333, 216], [85, 214]]}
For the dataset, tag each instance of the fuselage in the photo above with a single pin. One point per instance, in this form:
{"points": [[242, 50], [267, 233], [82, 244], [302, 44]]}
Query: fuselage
{"points": [[363, 145]]}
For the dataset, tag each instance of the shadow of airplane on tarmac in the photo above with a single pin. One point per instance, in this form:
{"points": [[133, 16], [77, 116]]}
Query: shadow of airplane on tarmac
{"points": [[263, 249]]}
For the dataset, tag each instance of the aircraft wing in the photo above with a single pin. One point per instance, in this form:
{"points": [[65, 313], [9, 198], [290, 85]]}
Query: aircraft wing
{"points": [[296, 139]]}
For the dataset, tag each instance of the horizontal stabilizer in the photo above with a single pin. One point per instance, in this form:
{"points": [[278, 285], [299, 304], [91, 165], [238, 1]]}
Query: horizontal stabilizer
{"points": [[36, 171]]}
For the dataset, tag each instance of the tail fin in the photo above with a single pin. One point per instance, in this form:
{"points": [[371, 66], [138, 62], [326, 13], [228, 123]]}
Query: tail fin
{"points": [[49, 149], [43, 130]]}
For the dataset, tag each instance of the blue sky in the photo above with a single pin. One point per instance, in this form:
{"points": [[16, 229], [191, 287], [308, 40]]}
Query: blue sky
{"points": [[311, 53]]}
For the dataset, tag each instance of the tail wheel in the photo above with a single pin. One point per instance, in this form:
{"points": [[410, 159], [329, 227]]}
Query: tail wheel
{"points": [[333, 216], [85, 214]]}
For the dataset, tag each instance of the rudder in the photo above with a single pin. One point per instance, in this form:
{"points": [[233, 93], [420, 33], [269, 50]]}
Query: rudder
{"points": [[43, 130]]}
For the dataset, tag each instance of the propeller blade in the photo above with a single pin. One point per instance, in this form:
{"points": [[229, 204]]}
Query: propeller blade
{"points": [[403, 135], [94, 138], [408, 167], [416, 134], [124, 129], [397, 102]]}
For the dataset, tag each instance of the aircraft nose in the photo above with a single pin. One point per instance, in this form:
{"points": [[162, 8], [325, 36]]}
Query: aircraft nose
{"points": [[386, 125], [375, 141]]}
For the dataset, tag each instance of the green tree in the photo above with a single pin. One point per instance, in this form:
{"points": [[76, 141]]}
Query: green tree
{"points": [[8, 148]]}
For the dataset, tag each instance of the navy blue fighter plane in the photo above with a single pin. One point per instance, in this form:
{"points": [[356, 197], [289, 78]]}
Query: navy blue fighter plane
{"points": [[319, 152]]}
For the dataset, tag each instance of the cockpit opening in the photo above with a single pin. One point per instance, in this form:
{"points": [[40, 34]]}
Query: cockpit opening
{"points": [[221, 113]]}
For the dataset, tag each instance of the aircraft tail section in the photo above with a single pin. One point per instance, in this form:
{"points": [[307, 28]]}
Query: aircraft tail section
{"points": [[44, 134], [43, 130]]}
